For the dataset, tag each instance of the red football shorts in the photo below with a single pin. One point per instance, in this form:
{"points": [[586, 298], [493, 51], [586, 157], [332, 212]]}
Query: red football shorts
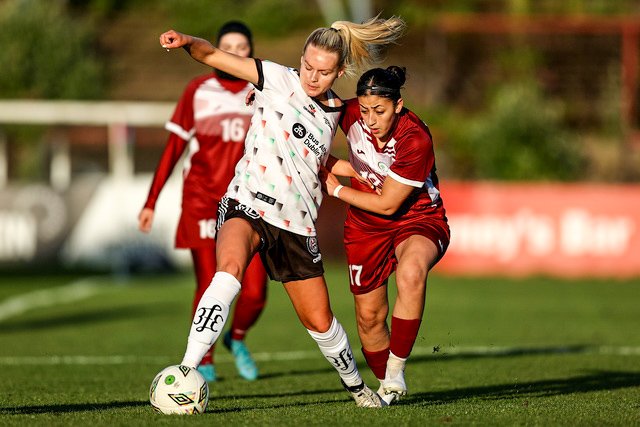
{"points": [[196, 228], [371, 253]]}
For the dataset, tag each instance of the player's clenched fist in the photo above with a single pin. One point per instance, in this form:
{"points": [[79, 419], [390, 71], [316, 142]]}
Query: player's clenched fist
{"points": [[173, 39]]}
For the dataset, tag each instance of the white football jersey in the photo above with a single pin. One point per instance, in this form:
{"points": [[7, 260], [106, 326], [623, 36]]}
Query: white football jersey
{"points": [[288, 140]]}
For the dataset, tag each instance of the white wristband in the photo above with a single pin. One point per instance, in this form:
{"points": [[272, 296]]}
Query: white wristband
{"points": [[336, 191]]}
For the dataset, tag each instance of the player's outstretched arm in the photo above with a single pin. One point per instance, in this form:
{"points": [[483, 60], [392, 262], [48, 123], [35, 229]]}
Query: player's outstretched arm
{"points": [[203, 51]]}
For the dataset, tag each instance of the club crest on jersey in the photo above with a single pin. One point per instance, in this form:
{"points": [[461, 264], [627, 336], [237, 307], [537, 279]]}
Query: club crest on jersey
{"points": [[383, 167]]}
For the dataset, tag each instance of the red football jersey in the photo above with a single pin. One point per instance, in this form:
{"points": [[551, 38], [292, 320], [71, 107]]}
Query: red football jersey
{"points": [[210, 121], [408, 157], [371, 239]]}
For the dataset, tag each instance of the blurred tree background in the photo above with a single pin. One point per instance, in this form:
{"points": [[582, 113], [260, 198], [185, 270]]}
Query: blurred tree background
{"points": [[48, 53], [511, 106]]}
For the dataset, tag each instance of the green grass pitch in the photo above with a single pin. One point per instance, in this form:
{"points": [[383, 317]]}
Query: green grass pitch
{"points": [[79, 351]]}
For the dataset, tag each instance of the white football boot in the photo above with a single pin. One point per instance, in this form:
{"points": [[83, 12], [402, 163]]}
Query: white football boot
{"points": [[364, 396]]}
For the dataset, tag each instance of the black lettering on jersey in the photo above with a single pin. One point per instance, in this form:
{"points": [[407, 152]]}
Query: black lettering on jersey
{"points": [[314, 145], [299, 131], [265, 198]]}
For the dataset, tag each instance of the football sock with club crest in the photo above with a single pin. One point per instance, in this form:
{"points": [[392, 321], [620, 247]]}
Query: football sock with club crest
{"points": [[210, 317], [335, 347]]}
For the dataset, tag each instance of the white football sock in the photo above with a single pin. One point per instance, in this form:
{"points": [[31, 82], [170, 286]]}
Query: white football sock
{"points": [[210, 317], [335, 347], [395, 365]]}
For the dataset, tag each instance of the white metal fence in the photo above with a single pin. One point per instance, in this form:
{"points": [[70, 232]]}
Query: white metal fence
{"points": [[116, 116]]}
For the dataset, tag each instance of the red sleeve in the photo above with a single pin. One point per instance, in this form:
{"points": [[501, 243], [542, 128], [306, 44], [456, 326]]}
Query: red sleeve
{"points": [[351, 114], [170, 156]]}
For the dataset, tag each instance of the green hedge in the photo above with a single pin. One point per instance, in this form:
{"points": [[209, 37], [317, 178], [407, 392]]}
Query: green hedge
{"points": [[520, 136]]}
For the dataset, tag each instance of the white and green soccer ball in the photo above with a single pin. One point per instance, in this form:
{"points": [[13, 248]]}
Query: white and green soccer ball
{"points": [[179, 389]]}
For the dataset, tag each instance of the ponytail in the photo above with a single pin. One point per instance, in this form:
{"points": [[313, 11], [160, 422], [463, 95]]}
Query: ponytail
{"points": [[358, 45]]}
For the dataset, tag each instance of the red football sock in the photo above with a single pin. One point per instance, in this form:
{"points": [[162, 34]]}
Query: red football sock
{"points": [[403, 336], [245, 316], [377, 361], [251, 300], [207, 359]]}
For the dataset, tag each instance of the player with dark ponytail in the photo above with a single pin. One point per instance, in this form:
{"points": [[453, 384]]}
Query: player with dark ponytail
{"points": [[395, 221]]}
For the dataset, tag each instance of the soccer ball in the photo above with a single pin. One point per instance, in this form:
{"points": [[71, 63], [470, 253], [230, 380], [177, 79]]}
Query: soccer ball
{"points": [[179, 389]]}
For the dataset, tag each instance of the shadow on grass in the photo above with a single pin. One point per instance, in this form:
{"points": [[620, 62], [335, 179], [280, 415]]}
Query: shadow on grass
{"points": [[590, 382], [443, 356], [85, 317], [94, 407], [594, 381], [70, 407]]}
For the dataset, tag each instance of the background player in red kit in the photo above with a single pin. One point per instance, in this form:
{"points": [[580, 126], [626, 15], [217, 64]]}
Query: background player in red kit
{"points": [[212, 119], [395, 222]]}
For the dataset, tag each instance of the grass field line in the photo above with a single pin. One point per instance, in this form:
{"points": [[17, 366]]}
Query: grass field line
{"points": [[73, 292], [469, 351]]}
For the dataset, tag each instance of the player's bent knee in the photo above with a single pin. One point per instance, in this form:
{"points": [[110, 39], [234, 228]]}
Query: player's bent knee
{"points": [[370, 322], [232, 267], [319, 324], [414, 278]]}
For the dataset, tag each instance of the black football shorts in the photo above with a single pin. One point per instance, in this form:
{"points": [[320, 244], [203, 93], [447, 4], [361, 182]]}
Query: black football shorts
{"points": [[286, 256]]}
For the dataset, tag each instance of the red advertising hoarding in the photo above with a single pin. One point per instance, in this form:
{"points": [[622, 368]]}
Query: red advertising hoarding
{"points": [[567, 230]]}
